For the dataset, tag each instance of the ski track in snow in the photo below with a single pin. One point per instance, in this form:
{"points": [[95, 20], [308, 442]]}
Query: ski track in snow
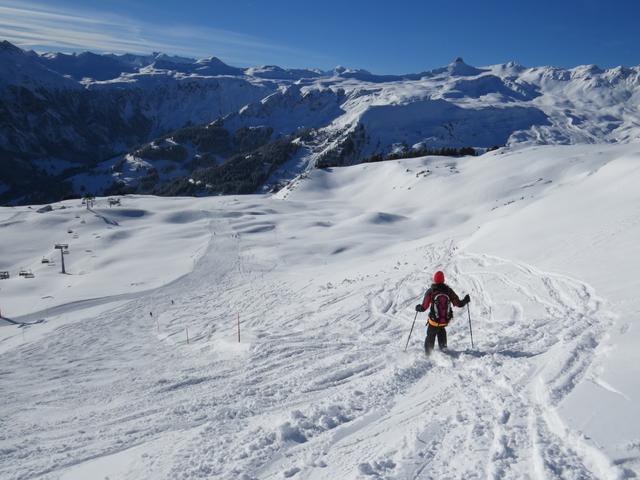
{"points": [[336, 398]]}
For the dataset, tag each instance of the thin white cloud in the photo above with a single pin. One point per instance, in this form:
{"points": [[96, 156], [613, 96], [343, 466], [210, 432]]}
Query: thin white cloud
{"points": [[38, 27]]}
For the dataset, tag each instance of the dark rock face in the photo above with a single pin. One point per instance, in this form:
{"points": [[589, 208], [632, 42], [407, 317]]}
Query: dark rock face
{"points": [[213, 159]]}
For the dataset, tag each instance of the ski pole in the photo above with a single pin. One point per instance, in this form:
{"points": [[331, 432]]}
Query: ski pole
{"points": [[411, 331], [470, 331]]}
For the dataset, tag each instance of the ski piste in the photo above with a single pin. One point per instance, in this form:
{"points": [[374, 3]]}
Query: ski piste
{"points": [[324, 286]]}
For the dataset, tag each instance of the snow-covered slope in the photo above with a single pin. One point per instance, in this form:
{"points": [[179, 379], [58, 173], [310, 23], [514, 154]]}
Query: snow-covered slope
{"points": [[355, 114], [464, 106], [323, 279]]}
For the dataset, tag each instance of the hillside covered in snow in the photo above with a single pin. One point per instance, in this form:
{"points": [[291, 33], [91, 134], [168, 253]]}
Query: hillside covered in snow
{"points": [[132, 366], [104, 124]]}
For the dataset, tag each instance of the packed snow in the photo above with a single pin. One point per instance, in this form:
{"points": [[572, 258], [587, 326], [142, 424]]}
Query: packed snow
{"points": [[130, 366]]}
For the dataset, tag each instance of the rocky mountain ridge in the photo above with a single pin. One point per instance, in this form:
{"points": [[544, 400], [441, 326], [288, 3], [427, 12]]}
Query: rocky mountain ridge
{"points": [[101, 123]]}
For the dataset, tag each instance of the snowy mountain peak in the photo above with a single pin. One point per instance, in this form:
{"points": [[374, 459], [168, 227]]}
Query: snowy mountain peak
{"points": [[583, 70], [173, 58], [215, 66], [620, 72], [274, 72], [515, 66], [459, 68], [210, 61], [9, 47], [18, 67]]}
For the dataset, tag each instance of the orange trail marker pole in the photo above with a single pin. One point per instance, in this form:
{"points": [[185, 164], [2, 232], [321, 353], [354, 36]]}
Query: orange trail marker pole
{"points": [[238, 327], [187, 329]]}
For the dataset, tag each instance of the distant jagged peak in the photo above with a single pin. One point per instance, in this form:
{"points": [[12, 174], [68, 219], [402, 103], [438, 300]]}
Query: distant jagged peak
{"points": [[515, 66], [264, 70], [275, 72], [51, 55], [619, 70], [19, 67], [166, 64], [85, 56], [172, 58], [586, 70], [8, 47], [622, 73], [510, 68], [214, 66], [269, 68], [341, 70], [460, 68], [212, 60]]}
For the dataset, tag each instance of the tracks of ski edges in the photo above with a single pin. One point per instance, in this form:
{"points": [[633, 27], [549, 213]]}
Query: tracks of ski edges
{"points": [[330, 397]]}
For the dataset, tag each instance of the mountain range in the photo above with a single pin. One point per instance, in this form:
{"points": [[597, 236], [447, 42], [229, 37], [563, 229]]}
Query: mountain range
{"points": [[72, 124]]}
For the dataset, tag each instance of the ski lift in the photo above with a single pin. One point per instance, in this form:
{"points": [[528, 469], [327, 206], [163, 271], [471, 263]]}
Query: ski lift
{"points": [[45, 260], [29, 274], [22, 272], [4, 275], [64, 248]]}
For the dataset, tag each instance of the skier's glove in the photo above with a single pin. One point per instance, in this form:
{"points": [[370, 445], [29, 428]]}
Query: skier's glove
{"points": [[466, 299], [419, 308]]}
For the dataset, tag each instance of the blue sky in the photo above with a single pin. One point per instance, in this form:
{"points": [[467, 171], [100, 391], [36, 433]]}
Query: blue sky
{"points": [[399, 36]]}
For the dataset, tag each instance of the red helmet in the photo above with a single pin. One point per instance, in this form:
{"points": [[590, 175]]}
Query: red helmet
{"points": [[438, 277]]}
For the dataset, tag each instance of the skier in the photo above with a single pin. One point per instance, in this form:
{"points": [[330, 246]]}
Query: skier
{"points": [[439, 297]]}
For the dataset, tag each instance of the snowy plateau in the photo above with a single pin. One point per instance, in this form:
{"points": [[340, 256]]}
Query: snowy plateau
{"points": [[262, 336]]}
